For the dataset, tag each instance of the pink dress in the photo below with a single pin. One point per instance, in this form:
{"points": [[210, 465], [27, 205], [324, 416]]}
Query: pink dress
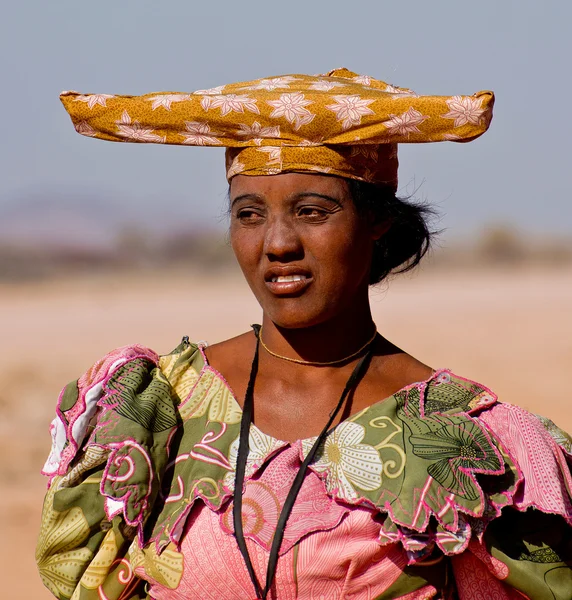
{"points": [[439, 491]]}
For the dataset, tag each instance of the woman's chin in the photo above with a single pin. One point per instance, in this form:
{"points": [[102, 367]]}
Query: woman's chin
{"points": [[297, 319], [294, 324]]}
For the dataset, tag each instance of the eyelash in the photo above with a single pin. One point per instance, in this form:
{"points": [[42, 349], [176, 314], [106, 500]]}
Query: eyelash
{"points": [[247, 214], [309, 213], [313, 212]]}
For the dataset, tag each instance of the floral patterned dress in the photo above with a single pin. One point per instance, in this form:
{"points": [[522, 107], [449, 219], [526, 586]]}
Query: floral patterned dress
{"points": [[438, 491]]}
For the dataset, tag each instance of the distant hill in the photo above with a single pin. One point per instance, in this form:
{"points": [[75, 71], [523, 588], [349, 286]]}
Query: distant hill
{"points": [[69, 218], [62, 218]]}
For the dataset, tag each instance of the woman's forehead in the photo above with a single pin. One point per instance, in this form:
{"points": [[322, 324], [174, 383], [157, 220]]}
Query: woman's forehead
{"points": [[287, 183]]}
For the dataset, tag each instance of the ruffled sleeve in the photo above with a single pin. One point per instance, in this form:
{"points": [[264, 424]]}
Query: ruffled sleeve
{"points": [[458, 476], [110, 443], [521, 555], [527, 550], [519, 541], [541, 451]]}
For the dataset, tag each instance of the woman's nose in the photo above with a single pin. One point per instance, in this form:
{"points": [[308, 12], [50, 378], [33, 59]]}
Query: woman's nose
{"points": [[281, 240]]}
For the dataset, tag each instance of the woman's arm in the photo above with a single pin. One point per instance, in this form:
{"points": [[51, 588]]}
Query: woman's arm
{"points": [[522, 555], [527, 550], [109, 447]]}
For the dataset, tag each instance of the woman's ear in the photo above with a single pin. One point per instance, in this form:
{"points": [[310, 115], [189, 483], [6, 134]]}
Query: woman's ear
{"points": [[379, 229]]}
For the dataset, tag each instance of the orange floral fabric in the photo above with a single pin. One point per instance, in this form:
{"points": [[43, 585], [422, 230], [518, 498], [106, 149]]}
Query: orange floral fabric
{"points": [[339, 123]]}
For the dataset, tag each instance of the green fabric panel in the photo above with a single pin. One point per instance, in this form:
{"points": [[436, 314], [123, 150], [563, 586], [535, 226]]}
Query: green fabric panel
{"points": [[73, 527], [139, 392], [69, 396], [114, 592], [414, 578], [537, 548], [190, 356], [86, 495]]}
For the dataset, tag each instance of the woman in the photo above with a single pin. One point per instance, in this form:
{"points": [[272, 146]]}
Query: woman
{"points": [[309, 457]]}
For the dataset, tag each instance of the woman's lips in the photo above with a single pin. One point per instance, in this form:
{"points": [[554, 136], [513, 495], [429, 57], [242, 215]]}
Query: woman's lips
{"points": [[287, 285]]}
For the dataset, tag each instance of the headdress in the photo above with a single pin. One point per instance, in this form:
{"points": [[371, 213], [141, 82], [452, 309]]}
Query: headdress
{"points": [[340, 123]]}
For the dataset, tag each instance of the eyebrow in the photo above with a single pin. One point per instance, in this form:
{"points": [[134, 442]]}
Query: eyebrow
{"points": [[324, 196], [245, 197], [259, 198]]}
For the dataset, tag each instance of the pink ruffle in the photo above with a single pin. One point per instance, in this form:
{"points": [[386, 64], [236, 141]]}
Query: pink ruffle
{"points": [[68, 430], [265, 494], [546, 483]]}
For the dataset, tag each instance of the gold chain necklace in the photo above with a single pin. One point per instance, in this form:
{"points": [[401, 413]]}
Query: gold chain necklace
{"points": [[315, 363]]}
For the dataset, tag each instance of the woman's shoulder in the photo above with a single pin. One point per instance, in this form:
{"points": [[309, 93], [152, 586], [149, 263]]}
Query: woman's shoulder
{"points": [[539, 450], [112, 383], [451, 458], [446, 392], [236, 351], [124, 410], [187, 355]]}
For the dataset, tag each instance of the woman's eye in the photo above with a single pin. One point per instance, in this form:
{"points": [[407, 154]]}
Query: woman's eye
{"points": [[248, 216], [313, 213]]}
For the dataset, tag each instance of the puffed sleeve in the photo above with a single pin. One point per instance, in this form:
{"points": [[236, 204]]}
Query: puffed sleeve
{"points": [[109, 448], [527, 551]]}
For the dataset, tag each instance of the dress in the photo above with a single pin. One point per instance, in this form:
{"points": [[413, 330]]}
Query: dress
{"points": [[439, 491]]}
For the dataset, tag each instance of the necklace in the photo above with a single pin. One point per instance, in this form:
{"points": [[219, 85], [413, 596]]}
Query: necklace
{"points": [[316, 363], [243, 447]]}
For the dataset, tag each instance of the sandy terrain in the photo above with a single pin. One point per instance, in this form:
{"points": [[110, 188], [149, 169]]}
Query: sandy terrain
{"points": [[512, 331]]}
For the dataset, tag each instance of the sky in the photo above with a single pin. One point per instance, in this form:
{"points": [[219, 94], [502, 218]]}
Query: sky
{"points": [[516, 174]]}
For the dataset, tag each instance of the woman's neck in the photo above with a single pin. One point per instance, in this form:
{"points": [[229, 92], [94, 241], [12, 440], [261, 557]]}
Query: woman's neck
{"points": [[331, 340]]}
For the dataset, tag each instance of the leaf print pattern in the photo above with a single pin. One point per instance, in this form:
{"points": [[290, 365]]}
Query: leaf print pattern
{"points": [[256, 132], [199, 134], [370, 152], [458, 451], [60, 561], [166, 568], [84, 128], [260, 448], [272, 83], [347, 462], [465, 109], [211, 397], [230, 103], [93, 457], [214, 91], [558, 435], [293, 108], [350, 109], [319, 141], [323, 85], [406, 123], [134, 394], [98, 569], [165, 100], [274, 154], [452, 137], [135, 132], [94, 99], [236, 167], [363, 79], [397, 91]]}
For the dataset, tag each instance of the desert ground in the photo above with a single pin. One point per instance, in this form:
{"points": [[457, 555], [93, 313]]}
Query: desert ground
{"points": [[509, 329]]}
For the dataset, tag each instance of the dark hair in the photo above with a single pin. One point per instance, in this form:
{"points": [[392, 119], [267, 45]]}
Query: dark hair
{"points": [[408, 239]]}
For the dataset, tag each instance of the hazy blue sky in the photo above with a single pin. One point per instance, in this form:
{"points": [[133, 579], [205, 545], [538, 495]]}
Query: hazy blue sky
{"points": [[519, 172]]}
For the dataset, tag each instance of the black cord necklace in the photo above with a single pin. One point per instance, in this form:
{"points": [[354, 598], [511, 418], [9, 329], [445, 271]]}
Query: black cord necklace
{"points": [[246, 421]]}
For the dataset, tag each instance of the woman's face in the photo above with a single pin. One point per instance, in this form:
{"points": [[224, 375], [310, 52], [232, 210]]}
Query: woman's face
{"points": [[302, 246]]}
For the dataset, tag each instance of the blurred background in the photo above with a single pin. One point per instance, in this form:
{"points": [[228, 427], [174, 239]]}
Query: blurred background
{"points": [[103, 245]]}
